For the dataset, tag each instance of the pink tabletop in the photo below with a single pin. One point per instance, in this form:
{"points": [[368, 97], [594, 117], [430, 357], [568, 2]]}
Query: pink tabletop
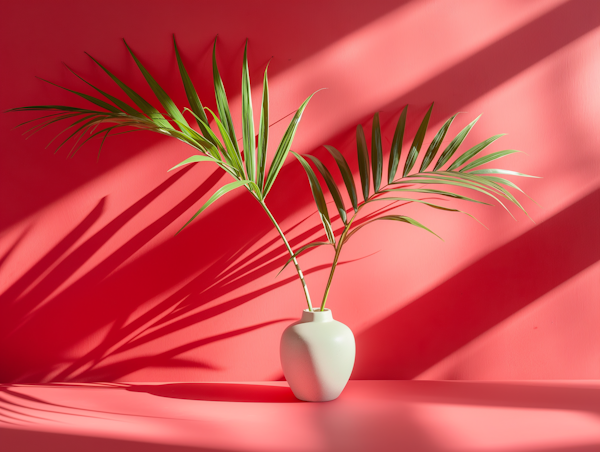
{"points": [[407, 416]]}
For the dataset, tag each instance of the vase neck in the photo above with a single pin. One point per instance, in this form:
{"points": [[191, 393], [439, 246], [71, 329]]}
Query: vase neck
{"points": [[316, 316]]}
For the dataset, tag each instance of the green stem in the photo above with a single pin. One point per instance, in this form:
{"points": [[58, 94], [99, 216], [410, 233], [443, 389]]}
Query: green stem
{"points": [[289, 248], [338, 248]]}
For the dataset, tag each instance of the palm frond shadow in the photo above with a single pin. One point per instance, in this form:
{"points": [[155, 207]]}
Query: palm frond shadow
{"points": [[36, 310], [75, 259], [476, 299], [18, 408]]}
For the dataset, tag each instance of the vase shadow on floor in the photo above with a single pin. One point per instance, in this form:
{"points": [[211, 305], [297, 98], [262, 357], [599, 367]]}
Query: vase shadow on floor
{"points": [[220, 392]]}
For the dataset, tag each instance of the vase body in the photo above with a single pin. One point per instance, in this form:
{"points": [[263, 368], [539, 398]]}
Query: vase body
{"points": [[317, 356]]}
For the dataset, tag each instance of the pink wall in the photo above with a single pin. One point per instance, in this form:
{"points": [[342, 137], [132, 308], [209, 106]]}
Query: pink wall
{"points": [[95, 286]]}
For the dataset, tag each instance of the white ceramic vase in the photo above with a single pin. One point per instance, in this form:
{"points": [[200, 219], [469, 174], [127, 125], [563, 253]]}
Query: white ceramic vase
{"points": [[317, 356]]}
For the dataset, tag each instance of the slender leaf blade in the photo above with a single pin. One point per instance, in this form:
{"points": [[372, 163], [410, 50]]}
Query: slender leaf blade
{"points": [[445, 181], [144, 105], [435, 192], [333, 189], [417, 143], [454, 144], [376, 153], [212, 137], [92, 99], [487, 158], [248, 120], [222, 102], [501, 171], [285, 146], [429, 204], [300, 251], [233, 154], [346, 174], [202, 143], [401, 218], [193, 159], [317, 192], [192, 95], [263, 134], [363, 161], [160, 93], [468, 155], [118, 102], [396, 150], [220, 192], [435, 144]]}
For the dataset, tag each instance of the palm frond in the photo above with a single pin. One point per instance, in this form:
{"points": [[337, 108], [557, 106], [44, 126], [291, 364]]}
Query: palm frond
{"points": [[463, 172], [250, 170]]}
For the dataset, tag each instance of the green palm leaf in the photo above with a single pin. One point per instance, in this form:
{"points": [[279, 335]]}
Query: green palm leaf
{"points": [[376, 153], [428, 179], [248, 120], [193, 159], [396, 150], [318, 197], [92, 99], [486, 159], [346, 174], [417, 143], [454, 144], [192, 95], [468, 155], [335, 193], [435, 192], [220, 192], [428, 204], [118, 102], [435, 144], [263, 133], [160, 93], [501, 171], [222, 103], [230, 146], [198, 141], [148, 109], [300, 251], [284, 146], [401, 218], [363, 161]]}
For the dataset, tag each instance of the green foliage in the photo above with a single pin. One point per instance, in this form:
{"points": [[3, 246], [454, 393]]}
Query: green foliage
{"points": [[464, 172], [248, 166]]}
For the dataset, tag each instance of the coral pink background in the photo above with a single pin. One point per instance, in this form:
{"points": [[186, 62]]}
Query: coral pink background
{"points": [[95, 286]]}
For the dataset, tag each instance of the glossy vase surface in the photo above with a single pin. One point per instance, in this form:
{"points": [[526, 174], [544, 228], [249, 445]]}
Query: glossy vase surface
{"points": [[317, 356]]}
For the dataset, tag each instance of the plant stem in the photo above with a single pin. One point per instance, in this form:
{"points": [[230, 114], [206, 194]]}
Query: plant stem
{"points": [[338, 250], [289, 248]]}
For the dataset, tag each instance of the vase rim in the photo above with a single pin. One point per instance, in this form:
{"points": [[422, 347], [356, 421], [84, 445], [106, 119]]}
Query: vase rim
{"points": [[316, 316]]}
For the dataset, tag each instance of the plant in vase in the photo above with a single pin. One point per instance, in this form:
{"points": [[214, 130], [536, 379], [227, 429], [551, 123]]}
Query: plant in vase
{"points": [[463, 172], [247, 165]]}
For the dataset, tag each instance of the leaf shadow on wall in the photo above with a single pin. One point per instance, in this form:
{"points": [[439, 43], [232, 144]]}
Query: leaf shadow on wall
{"points": [[68, 317], [110, 293], [429, 329]]}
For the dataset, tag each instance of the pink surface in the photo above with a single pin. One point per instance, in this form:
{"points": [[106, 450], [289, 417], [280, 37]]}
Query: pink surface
{"points": [[369, 415], [94, 286]]}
